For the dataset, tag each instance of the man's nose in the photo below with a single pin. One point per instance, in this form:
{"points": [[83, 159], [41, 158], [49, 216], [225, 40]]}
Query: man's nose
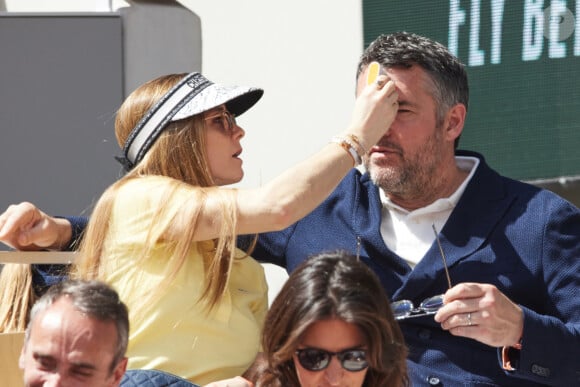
{"points": [[334, 372], [54, 380]]}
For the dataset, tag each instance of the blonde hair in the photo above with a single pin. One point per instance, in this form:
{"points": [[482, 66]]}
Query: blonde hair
{"points": [[179, 153], [16, 296]]}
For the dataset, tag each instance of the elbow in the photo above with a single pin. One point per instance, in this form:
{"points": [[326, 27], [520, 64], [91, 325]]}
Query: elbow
{"points": [[279, 208], [283, 215]]}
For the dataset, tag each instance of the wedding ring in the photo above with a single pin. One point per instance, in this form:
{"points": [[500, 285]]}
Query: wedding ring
{"points": [[469, 323]]}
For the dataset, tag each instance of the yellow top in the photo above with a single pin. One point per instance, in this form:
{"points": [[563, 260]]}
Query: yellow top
{"points": [[177, 334]]}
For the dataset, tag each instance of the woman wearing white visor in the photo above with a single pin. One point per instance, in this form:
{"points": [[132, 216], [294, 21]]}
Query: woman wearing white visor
{"points": [[164, 235]]}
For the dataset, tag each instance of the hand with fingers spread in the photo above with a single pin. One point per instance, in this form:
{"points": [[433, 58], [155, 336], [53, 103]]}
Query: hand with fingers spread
{"points": [[25, 227], [483, 313], [370, 124]]}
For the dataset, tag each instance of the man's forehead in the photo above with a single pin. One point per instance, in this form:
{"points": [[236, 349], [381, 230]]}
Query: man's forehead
{"points": [[403, 78], [392, 73], [71, 342], [62, 323], [51, 318]]}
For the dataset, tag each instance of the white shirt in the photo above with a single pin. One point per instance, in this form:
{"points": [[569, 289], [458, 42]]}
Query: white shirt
{"points": [[410, 233]]}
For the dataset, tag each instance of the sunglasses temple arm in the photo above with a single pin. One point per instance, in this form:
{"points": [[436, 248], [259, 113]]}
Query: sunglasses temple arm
{"points": [[442, 256]]}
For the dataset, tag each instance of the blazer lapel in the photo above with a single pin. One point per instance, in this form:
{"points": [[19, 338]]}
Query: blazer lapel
{"points": [[480, 208], [367, 211]]}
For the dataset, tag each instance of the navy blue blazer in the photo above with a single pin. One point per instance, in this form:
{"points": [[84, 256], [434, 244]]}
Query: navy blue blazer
{"points": [[522, 239]]}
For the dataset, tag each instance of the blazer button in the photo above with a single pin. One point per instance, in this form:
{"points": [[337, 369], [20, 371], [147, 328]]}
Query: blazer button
{"points": [[433, 381]]}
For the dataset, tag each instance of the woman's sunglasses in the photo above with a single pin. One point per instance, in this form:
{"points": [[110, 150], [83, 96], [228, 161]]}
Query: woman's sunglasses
{"points": [[314, 359], [226, 120]]}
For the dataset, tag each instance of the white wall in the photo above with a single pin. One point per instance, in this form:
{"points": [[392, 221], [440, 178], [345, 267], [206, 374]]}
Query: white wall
{"points": [[302, 52]]}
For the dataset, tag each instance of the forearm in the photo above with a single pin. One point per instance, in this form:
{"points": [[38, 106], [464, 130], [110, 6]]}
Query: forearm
{"points": [[63, 234], [294, 193], [25, 227], [298, 190]]}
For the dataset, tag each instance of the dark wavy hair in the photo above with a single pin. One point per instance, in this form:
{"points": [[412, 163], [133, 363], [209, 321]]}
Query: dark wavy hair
{"points": [[326, 286]]}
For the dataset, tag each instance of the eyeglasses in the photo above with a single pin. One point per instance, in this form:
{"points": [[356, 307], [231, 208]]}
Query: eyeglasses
{"points": [[314, 359], [405, 309], [225, 119]]}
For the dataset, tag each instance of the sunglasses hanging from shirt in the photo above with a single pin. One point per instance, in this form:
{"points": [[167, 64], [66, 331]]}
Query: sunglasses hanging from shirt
{"points": [[405, 309]]}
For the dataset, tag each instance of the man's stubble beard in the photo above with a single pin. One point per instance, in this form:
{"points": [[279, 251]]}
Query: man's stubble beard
{"points": [[415, 175]]}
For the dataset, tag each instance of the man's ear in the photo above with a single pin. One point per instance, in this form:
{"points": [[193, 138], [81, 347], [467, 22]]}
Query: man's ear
{"points": [[119, 371], [454, 121], [22, 358]]}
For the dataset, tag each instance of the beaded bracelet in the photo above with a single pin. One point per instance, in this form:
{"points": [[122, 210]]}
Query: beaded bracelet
{"points": [[348, 146], [361, 149]]}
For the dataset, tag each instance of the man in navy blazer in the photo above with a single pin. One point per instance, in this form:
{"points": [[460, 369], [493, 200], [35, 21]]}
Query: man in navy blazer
{"points": [[511, 313]]}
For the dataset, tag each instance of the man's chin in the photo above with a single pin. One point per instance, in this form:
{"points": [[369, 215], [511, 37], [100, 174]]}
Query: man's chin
{"points": [[383, 176]]}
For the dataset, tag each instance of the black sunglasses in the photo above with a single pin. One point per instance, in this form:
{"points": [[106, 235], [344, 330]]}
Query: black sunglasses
{"points": [[314, 359]]}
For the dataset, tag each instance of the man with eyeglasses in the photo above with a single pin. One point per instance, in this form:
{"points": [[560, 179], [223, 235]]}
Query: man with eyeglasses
{"points": [[512, 314]]}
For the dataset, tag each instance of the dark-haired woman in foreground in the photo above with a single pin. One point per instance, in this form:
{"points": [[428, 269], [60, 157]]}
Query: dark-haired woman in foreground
{"points": [[332, 324]]}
